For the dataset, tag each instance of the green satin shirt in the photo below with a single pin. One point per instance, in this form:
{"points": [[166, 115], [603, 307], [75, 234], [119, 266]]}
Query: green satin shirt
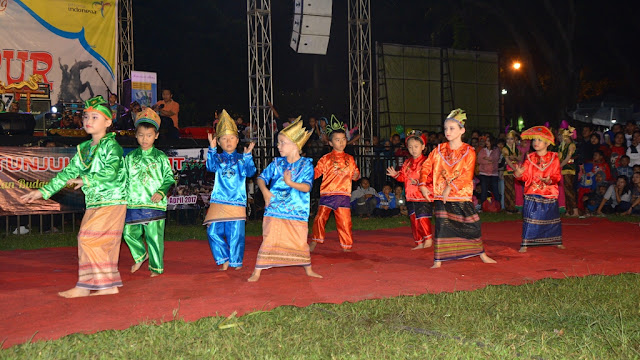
{"points": [[101, 169], [148, 172]]}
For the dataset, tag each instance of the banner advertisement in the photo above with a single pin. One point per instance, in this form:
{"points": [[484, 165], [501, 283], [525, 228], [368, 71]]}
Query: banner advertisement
{"points": [[25, 169], [70, 45], [144, 88]]}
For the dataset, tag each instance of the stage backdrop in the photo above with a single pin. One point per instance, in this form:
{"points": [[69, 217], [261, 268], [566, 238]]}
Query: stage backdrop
{"points": [[24, 169], [71, 43]]}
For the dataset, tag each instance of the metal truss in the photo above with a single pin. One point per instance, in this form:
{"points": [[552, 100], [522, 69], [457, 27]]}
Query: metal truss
{"points": [[260, 78], [125, 43], [360, 86]]}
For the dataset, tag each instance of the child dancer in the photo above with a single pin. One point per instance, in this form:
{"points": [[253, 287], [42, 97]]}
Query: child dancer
{"points": [[284, 227], [96, 169], [149, 178], [418, 206], [227, 212], [540, 173], [449, 172], [338, 170]]}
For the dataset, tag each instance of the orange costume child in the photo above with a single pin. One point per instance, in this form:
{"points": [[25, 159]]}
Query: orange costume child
{"points": [[449, 169], [338, 170], [420, 209]]}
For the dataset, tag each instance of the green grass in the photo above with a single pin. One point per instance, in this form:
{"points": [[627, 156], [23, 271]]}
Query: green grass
{"points": [[576, 318], [174, 232]]}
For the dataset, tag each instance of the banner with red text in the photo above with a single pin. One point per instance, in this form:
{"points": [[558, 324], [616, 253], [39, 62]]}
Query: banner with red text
{"points": [[69, 44]]}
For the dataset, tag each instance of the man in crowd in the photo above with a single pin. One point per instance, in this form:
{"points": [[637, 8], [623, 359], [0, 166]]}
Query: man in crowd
{"points": [[168, 107]]}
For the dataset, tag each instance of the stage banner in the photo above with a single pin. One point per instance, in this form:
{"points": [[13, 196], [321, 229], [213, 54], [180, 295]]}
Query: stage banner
{"points": [[144, 88], [24, 169], [69, 44]]}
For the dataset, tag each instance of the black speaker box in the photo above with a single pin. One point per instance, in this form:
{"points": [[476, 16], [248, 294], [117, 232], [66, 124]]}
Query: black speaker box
{"points": [[17, 123]]}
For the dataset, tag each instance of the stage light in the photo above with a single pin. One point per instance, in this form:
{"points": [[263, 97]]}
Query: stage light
{"points": [[54, 109], [504, 92], [516, 65], [613, 121]]}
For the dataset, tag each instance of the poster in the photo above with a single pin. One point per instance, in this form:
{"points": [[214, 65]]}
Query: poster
{"points": [[144, 88], [70, 45]]}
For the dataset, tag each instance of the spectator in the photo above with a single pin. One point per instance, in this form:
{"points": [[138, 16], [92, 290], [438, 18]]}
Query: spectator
{"points": [[117, 111], [618, 148], [635, 195], [401, 201], [127, 121], [363, 199], [488, 160], [593, 199], [624, 168], [168, 107], [77, 120], [617, 199], [629, 129], [610, 134], [14, 107], [634, 149], [65, 123], [386, 203], [566, 152]]}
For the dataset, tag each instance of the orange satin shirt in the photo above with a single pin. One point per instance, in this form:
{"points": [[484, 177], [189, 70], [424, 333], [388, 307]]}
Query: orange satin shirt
{"points": [[410, 176], [445, 166], [537, 167], [338, 170]]}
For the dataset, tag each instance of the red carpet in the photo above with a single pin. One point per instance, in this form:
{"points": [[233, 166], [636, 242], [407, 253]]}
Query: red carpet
{"points": [[382, 265]]}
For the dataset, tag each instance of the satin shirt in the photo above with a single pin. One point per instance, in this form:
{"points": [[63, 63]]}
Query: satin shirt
{"points": [[537, 168], [410, 176], [288, 203], [446, 166], [148, 172], [231, 170], [338, 171]]}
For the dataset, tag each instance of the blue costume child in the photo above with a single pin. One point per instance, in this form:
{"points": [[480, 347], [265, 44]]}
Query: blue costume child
{"points": [[227, 212]]}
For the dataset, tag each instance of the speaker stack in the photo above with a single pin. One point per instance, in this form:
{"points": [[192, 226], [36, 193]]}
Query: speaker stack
{"points": [[311, 26]]}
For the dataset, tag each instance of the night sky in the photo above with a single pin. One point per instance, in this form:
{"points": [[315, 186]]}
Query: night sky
{"points": [[199, 50]]}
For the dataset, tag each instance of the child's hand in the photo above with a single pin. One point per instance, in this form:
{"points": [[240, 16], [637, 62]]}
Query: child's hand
{"points": [[156, 197], [287, 177], [546, 180], [518, 170], [267, 198], [445, 193], [31, 196], [413, 181], [425, 192], [213, 141], [78, 183], [249, 148], [392, 172]]}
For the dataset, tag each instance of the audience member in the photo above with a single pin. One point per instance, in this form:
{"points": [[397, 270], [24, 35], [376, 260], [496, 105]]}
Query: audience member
{"points": [[633, 151], [386, 203], [14, 107], [168, 107], [401, 200], [117, 111], [635, 195], [617, 199], [488, 158], [363, 199], [624, 168]]}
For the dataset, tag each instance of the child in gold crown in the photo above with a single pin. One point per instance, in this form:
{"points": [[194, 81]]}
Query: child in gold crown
{"points": [[287, 200]]}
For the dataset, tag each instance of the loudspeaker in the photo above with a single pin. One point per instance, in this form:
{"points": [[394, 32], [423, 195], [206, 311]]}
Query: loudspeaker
{"points": [[311, 26], [17, 123]]}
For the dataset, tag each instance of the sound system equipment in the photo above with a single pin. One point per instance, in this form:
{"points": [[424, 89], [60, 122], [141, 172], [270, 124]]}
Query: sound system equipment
{"points": [[311, 26], [17, 123]]}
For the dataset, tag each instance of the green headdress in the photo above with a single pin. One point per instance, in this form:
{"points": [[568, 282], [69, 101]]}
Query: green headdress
{"points": [[98, 104], [334, 125]]}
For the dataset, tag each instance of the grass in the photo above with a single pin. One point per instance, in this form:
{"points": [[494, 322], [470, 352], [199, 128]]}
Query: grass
{"points": [[595, 317], [175, 232]]}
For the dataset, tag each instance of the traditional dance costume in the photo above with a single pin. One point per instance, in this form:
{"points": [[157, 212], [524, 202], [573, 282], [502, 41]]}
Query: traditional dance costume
{"points": [[338, 170], [457, 228], [227, 213], [103, 176], [541, 217], [509, 179], [419, 208], [567, 150]]}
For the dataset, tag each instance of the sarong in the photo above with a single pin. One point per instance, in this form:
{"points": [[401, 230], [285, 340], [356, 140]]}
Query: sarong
{"points": [[99, 247], [509, 193], [420, 219], [457, 233], [284, 243], [561, 198], [569, 192], [519, 185], [222, 212], [541, 222]]}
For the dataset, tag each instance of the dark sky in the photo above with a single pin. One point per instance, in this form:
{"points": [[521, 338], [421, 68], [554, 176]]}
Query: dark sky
{"points": [[200, 49]]}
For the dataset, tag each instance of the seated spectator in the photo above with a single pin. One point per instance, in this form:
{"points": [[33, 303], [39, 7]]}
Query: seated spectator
{"points": [[617, 199], [14, 107], [593, 199], [127, 121], [635, 195], [618, 148], [624, 168], [401, 200], [117, 111], [386, 203], [77, 120], [65, 123], [363, 199], [588, 183]]}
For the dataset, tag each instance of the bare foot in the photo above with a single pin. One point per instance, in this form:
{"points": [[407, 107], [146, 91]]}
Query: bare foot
{"points": [[418, 247], [523, 249], [346, 250], [239, 267], [224, 267], [561, 247], [74, 293], [436, 264], [138, 265], [113, 290], [311, 273], [312, 245], [486, 259], [154, 274], [255, 276]]}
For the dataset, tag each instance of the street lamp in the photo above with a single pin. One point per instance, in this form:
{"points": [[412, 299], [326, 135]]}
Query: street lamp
{"points": [[504, 92], [516, 65]]}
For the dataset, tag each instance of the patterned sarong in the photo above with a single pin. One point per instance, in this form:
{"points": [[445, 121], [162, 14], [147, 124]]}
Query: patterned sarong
{"points": [[284, 243], [569, 192], [223, 212], [99, 247], [541, 221], [457, 231], [509, 193]]}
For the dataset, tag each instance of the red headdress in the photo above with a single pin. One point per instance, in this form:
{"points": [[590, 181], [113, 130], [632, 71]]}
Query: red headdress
{"points": [[540, 133]]}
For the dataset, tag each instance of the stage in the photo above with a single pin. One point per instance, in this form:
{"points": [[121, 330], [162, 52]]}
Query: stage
{"points": [[381, 265]]}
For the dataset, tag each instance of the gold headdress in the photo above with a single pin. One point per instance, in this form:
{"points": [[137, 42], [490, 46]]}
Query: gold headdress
{"points": [[458, 115], [226, 125], [571, 131], [296, 133], [513, 134]]}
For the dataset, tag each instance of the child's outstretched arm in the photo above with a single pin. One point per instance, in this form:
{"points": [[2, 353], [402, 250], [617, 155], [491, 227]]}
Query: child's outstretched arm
{"points": [[266, 193], [248, 168]]}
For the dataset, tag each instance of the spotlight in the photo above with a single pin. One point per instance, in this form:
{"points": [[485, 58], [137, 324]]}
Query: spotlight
{"points": [[613, 121], [54, 110], [504, 92]]}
